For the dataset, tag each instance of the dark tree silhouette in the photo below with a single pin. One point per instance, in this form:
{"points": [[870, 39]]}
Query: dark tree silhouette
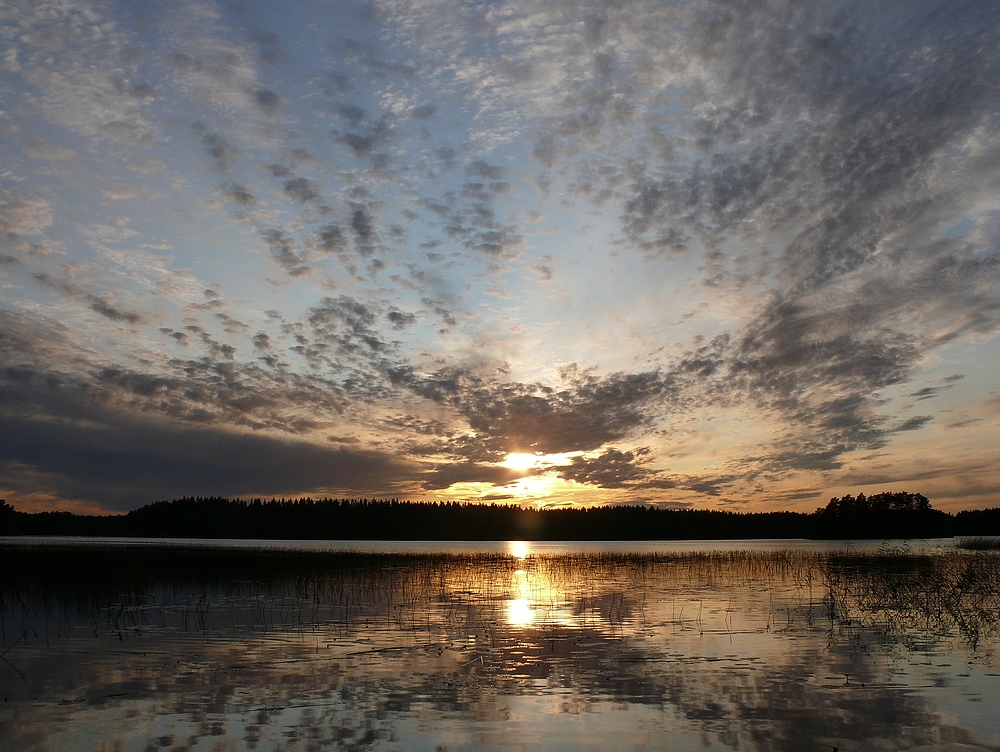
{"points": [[883, 515], [890, 514]]}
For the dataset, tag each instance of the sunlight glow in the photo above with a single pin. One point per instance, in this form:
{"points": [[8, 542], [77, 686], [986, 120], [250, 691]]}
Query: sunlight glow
{"points": [[535, 486], [520, 613], [518, 549], [543, 487], [520, 461], [520, 610]]}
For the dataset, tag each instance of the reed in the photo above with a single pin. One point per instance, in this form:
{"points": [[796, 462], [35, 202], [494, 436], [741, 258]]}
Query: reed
{"points": [[53, 591], [979, 544]]}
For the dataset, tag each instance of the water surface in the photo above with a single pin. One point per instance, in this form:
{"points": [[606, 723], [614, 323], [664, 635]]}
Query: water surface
{"points": [[518, 647]]}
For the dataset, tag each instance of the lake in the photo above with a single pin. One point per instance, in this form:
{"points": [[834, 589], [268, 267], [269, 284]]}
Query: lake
{"points": [[759, 645]]}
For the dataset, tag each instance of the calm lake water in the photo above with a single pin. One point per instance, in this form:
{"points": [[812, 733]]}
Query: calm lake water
{"points": [[112, 645]]}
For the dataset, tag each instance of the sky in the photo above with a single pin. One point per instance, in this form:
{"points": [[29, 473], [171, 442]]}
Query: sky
{"points": [[728, 254]]}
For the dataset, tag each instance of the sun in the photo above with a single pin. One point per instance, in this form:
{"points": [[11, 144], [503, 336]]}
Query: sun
{"points": [[520, 461]]}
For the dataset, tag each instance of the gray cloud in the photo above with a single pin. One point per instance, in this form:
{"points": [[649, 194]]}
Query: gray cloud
{"points": [[269, 47], [362, 142], [301, 189], [278, 170], [92, 89], [348, 324], [400, 319], [102, 304], [442, 476], [213, 69], [611, 469], [49, 152], [267, 101], [929, 392], [22, 215], [509, 416], [239, 194], [222, 152], [363, 226], [209, 391], [331, 239], [470, 217], [123, 462], [481, 169], [284, 250], [423, 112]]}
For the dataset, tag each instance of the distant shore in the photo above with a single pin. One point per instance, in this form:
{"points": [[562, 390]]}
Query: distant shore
{"points": [[362, 519]]}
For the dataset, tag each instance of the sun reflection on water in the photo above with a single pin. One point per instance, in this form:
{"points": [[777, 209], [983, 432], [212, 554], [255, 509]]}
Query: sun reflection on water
{"points": [[520, 613], [518, 549], [521, 609]]}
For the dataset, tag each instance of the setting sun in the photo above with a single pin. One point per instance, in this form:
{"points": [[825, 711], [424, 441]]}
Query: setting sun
{"points": [[520, 461]]}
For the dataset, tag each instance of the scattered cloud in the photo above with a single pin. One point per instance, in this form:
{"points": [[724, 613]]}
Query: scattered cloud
{"points": [[697, 250]]}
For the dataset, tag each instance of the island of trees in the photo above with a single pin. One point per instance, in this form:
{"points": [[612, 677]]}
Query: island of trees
{"points": [[883, 515]]}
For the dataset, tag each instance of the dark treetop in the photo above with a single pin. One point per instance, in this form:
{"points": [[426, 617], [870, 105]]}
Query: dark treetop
{"points": [[884, 515]]}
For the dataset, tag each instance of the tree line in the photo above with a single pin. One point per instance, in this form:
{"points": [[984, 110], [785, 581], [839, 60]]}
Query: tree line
{"points": [[883, 515]]}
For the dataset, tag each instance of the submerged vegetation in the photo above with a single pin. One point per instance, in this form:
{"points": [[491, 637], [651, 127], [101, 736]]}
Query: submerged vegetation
{"points": [[885, 515]]}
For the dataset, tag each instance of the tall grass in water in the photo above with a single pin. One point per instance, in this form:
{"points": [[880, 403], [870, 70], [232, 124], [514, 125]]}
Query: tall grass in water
{"points": [[57, 591], [979, 544], [913, 597]]}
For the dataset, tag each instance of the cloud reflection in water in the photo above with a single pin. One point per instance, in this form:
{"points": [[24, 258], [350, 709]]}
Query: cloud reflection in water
{"points": [[697, 651]]}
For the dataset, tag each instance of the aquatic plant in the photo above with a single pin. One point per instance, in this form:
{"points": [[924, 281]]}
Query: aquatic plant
{"points": [[982, 543], [51, 590]]}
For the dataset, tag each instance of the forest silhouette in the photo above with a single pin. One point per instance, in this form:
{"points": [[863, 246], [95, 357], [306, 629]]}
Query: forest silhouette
{"points": [[883, 515]]}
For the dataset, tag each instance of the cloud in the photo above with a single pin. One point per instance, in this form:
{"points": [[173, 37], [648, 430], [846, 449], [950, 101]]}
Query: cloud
{"points": [[929, 392], [442, 476], [267, 101], [22, 215], [284, 250], [400, 319], [208, 391], [92, 89], [423, 112], [239, 194], [481, 169], [363, 226], [348, 325], [218, 148], [330, 239], [301, 189], [613, 468], [749, 214], [49, 152], [102, 304], [363, 141], [509, 416], [470, 216], [123, 461], [269, 47], [544, 272], [211, 68]]}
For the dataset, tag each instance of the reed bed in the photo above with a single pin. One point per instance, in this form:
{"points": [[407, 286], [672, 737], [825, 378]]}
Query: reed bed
{"points": [[53, 591], [982, 543], [913, 598]]}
